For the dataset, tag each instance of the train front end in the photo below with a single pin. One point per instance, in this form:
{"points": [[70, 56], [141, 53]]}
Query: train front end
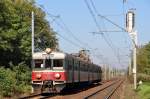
{"points": [[48, 72]]}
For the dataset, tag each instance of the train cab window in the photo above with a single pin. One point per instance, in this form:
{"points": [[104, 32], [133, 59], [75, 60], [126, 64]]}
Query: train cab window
{"points": [[38, 63], [47, 63], [58, 63]]}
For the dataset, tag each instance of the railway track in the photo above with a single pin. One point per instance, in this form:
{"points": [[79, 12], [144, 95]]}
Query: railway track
{"points": [[106, 92], [40, 96], [101, 91]]}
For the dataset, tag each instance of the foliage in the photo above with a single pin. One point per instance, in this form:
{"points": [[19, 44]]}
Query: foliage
{"points": [[143, 77], [143, 59], [15, 31], [144, 90], [7, 82], [14, 81]]}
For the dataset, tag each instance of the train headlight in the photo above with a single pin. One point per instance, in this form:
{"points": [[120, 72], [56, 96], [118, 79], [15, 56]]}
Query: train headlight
{"points": [[48, 50], [38, 76], [57, 76]]}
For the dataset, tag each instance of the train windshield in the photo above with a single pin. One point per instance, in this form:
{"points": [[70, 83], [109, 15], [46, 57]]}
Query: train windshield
{"points": [[42, 63], [48, 63], [38, 63]]}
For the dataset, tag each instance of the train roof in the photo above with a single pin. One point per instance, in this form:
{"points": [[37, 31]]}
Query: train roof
{"points": [[56, 55], [52, 55]]}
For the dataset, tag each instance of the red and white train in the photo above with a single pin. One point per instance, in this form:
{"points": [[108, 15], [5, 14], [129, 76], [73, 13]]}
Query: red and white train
{"points": [[58, 70]]}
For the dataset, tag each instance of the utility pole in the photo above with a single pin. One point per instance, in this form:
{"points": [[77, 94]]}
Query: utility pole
{"points": [[32, 21], [32, 43], [134, 35], [105, 66], [130, 63], [130, 19]]}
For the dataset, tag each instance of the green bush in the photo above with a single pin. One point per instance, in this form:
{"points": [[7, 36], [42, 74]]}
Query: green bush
{"points": [[143, 77], [23, 78], [15, 80], [7, 82], [144, 91], [23, 73]]}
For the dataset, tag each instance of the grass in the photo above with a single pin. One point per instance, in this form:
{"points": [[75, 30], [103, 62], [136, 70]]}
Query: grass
{"points": [[144, 90]]}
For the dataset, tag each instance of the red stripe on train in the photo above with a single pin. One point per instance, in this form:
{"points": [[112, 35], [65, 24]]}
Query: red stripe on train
{"points": [[48, 76]]}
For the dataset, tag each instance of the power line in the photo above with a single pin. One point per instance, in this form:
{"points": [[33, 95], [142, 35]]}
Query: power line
{"points": [[64, 27], [109, 42], [69, 41], [93, 15], [54, 17], [112, 22], [71, 33]]}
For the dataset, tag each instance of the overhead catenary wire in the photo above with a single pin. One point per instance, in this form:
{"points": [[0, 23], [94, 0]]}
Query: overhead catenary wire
{"points": [[93, 15], [68, 40], [124, 30], [54, 17], [71, 33], [95, 20], [110, 43], [59, 22]]}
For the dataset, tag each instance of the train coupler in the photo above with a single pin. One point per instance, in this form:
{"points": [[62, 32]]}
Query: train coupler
{"points": [[48, 86]]}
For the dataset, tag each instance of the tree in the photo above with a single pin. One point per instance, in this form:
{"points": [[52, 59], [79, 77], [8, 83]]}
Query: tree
{"points": [[15, 31], [143, 59]]}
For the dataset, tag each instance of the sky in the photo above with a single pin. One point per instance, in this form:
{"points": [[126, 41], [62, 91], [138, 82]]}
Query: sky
{"points": [[73, 22]]}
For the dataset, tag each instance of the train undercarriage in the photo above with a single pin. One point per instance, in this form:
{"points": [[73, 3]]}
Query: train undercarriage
{"points": [[48, 86]]}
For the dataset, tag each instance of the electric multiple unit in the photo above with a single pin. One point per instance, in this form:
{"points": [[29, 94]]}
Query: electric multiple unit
{"points": [[58, 70]]}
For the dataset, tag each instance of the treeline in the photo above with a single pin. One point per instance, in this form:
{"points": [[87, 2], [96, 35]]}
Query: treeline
{"points": [[143, 62], [15, 43], [15, 31]]}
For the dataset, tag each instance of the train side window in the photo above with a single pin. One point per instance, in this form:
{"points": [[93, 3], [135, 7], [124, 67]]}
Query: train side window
{"points": [[87, 67], [81, 66], [84, 67], [69, 64], [65, 63], [72, 63], [76, 65]]}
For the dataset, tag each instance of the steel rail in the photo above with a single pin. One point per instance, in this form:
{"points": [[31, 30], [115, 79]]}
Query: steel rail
{"points": [[30, 96], [41, 96], [112, 92], [100, 90]]}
